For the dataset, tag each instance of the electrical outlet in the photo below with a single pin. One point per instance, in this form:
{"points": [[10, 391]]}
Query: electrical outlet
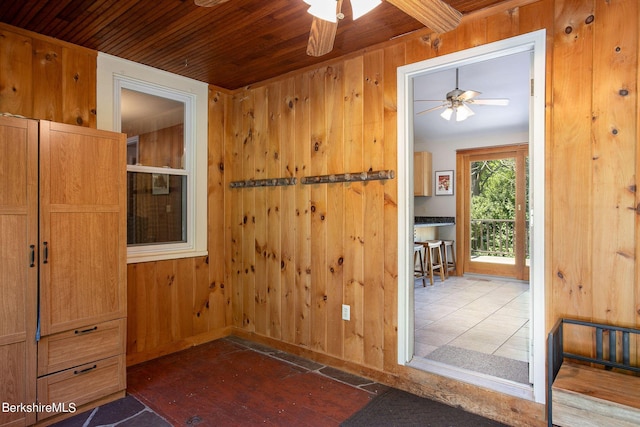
{"points": [[346, 312]]}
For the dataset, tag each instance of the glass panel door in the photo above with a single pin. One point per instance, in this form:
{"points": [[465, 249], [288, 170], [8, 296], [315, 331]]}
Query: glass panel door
{"points": [[496, 226]]}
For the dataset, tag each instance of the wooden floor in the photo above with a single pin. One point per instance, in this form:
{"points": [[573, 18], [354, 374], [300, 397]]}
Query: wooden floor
{"points": [[235, 382]]}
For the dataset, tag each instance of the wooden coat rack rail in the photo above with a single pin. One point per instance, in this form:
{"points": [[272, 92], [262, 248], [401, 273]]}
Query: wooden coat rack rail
{"points": [[317, 179], [270, 182], [349, 177]]}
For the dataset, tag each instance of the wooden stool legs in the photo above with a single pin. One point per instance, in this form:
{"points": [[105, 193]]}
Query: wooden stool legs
{"points": [[418, 264], [449, 256], [433, 258]]}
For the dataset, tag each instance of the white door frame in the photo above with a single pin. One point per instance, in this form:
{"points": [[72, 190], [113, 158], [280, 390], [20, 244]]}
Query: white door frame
{"points": [[534, 42]]}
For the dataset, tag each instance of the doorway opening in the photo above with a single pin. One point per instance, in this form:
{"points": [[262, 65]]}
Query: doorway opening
{"points": [[532, 44]]}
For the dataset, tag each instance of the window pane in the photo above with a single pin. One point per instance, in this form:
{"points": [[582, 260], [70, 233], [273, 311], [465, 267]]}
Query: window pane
{"points": [[158, 124], [156, 211]]}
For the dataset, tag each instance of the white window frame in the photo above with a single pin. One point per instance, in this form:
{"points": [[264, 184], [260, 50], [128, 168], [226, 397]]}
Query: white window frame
{"points": [[113, 75]]}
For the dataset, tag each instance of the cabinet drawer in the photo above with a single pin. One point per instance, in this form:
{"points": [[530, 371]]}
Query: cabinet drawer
{"points": [[79, 346], [82, 384]]}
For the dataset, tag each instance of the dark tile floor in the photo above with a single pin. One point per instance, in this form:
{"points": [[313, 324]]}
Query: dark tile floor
{"points": [[233, 382]]}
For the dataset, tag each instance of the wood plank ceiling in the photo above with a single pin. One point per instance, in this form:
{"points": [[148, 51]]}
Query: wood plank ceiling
{"points": [[231, 45]]}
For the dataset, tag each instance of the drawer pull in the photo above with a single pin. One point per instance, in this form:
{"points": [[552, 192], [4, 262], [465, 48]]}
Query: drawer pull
{"points": [[45, 252], [33, 256], [86, 331], [84, 371]]}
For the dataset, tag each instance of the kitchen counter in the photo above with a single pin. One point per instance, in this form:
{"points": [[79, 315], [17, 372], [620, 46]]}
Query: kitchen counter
{"points": [[434, 221], [429, 228]]}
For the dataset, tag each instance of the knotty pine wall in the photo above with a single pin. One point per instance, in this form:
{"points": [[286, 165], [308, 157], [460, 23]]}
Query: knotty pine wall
{"points": [[282, 260], [44, 78], [295, 254]]}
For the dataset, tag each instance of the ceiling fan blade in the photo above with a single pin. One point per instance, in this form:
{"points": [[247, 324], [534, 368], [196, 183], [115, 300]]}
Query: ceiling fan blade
{"points": [[467, 95], [209, 3], [321, 37], [501, 102], [435, 14], [323, 34], [432, 109]]}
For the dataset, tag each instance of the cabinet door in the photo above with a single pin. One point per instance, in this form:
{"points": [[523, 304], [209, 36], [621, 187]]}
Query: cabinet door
{"points": [[18, 265], [82, 226], [422, 183]]}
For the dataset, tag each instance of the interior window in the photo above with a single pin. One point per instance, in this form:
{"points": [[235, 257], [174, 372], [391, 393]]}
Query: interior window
{"points": [[159, 178]]}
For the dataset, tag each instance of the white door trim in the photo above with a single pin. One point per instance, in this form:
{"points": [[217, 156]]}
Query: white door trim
{"points": [[536, 43]]}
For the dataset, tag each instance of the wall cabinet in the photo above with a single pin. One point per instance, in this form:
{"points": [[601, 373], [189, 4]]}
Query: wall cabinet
{"points": [[422, 174], [62, 266]]}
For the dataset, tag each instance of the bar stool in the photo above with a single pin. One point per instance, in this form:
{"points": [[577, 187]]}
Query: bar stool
{"points": [[418, 259], [433, 258], [448, 256]]}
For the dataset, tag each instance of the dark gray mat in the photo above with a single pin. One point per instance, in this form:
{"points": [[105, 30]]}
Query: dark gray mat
{"points": [[476, 361], [399, 408]]}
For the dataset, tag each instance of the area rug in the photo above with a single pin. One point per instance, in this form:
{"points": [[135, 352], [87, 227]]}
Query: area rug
{"points": [[399, 408], [476, 361]]}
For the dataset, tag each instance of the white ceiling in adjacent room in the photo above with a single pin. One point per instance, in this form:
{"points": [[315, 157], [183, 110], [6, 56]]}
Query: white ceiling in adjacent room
{"points": [[503, 77]]}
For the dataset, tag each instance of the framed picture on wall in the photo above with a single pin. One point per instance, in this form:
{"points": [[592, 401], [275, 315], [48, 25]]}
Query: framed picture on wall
{"points": [[444, 183], [159, 183]]}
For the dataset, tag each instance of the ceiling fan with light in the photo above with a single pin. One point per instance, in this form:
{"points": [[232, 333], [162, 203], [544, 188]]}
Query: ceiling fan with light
{"points": [[458, 101], [435, 14]]}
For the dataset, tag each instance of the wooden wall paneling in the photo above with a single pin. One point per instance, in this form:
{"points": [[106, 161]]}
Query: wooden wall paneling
{"points": [[276, 110], [503, 25], [614, 151], [163, 303], [262, 245], [373, 233], [234, 159], [471, 33], [218, 182], [202, 318], [637, 216], [571, 164], [394, 57], [354, 210], [142, 315], [184, 304], [132, 308], [429, 45], [248, 278], [47, 80], [79, 87], [296, 301], [373, 153], [420, 48], [316, 313], [16, 68], [334, 99], [290, 105]]}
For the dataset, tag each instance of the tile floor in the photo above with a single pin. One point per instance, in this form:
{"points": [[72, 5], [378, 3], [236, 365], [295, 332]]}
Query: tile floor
{"points": [[472, 312]]}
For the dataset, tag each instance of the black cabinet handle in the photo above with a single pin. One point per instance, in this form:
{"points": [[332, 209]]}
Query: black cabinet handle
{"points": [[33, 255], [84, 371], [45, 252], [85, 331]]}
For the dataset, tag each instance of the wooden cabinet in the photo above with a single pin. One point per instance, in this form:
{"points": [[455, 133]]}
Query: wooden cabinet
{"points": [[64, 240], [18, 266], [422, 174]]}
